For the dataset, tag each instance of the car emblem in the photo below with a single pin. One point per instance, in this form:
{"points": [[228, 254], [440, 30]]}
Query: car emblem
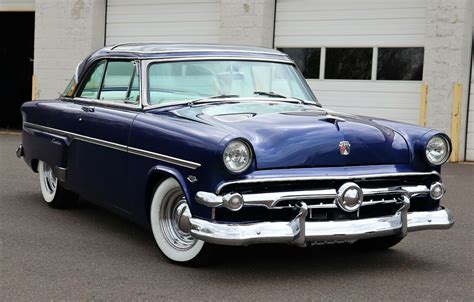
{"points": [[344, 147]]}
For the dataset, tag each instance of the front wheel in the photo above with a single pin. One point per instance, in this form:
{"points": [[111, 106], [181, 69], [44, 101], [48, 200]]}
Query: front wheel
{"points": [[54, 194], [167, 206]]}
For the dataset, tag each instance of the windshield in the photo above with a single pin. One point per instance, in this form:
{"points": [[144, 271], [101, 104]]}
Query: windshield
{"points": [[182, 81]]}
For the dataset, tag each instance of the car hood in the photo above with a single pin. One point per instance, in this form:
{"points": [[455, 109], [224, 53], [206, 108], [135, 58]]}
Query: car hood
{"points": [[285, 135]]}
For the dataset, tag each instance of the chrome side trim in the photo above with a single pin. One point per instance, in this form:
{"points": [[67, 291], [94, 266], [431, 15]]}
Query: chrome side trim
{"points": [[165, 158], [333, 177], [119, 147], [271, 200]]}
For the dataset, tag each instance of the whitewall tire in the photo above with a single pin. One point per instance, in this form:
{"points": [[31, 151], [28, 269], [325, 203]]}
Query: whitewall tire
{"points": [[166, 206], [54, 194]]}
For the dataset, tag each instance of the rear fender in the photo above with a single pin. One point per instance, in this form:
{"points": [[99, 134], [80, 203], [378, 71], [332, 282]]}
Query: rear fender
{"points": [[47, 147]]}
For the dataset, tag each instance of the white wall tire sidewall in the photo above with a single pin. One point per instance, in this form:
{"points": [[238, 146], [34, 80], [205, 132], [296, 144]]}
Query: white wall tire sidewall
{"points": [[47, 196], [167, 249]]}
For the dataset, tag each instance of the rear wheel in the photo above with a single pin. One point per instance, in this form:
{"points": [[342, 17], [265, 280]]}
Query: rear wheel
{"points": [[54, 194], [168, 205], [379, 243]]}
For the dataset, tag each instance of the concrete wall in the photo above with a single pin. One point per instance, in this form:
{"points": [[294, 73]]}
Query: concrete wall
{"points": [[247, 22], [65, 32], [447, 61]]}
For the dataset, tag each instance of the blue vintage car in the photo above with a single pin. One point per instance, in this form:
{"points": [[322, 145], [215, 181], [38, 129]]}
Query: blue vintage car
{"points": [[227, 145]]}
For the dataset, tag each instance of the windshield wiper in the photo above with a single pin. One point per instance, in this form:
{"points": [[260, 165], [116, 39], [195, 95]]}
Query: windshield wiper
{"points": [[208, 98], [287, 99], [271, 94]]}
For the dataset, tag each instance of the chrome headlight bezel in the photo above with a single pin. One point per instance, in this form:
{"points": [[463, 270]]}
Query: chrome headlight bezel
{"points": [[233, 144], [447, 153]]}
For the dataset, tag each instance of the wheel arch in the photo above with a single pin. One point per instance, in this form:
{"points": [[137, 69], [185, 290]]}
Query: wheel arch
{"points": [[156, 176]]}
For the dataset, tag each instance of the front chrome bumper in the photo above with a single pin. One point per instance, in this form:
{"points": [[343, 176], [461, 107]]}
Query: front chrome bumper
{"points": [[298, 231]]}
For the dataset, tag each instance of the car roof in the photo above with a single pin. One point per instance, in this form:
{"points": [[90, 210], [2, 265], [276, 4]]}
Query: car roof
{"points": [[164, 50], [152, 50]]}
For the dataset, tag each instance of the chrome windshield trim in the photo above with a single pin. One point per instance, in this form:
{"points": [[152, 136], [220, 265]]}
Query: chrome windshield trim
{"points": [[112, 145], [333, 177], [147, 62]]}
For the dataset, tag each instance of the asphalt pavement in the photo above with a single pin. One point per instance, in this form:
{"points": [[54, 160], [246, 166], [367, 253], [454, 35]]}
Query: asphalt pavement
{"points": [[87, 253]]}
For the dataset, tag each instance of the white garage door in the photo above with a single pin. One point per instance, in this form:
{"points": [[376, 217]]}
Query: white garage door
{"points": [[163, 20], [362, 57], [470, 125]]}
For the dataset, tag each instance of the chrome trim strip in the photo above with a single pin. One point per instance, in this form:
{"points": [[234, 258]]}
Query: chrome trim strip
{"points": [[123, 148], [203, 49], [165, 158], [270, 200], [333, 177], [298, 231]]}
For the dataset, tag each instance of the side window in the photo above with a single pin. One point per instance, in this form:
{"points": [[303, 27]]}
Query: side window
{"points": [[92, 86], [71, 88], [121, 83]]}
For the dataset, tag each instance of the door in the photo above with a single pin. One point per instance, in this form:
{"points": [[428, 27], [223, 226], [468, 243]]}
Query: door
{"points": [[470, 110], [360, 57], [109, 103], [16, 64]]}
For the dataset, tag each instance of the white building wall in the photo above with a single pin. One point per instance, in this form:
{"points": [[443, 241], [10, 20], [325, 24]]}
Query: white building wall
{"points": [[17, 6], [247, 22], [447, 61], [65, 33]]}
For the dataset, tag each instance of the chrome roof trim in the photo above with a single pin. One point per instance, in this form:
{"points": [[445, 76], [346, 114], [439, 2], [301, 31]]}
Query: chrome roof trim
{"points": [[198, 48], [334, 177], [119, 147]]}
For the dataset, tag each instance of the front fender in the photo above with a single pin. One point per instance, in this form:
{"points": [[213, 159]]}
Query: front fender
{"points": [[160, 172]]}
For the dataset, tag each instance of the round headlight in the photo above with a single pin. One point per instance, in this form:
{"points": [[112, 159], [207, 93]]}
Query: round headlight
{"points": [[237, 156], [437, 150]]}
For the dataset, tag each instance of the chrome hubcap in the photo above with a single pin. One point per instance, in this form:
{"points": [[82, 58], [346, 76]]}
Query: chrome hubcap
{"points": [[50, 181], [171, 221]]}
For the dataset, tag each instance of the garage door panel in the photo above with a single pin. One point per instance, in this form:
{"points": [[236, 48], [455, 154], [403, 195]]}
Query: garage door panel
{"points": [[470, 125], [391, 100], [165, 20], [175, 38], [290, 5], [150, 18], [350, 41], [394, 14], [163, 29], [160, 10], [364, 86], [152, 2]]}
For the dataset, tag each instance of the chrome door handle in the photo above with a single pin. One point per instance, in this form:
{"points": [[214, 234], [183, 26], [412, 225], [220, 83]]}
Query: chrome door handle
{"points": [[87, 109]]}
